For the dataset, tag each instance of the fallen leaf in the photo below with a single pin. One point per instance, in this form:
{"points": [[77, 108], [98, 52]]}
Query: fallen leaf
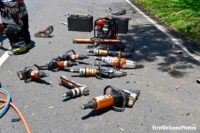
{"points": [[26, 106], [178, 87], [32, 114], [121, 129], [187, 114], [170, 69], [64, 23], [50, 107]]}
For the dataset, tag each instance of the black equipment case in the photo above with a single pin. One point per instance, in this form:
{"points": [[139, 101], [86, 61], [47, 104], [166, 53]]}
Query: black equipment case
{"points": [[122, 24], [80, 23]]}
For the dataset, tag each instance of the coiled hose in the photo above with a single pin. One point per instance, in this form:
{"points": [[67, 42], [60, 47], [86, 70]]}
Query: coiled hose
{"points": [[6, 103], [5, 106]]}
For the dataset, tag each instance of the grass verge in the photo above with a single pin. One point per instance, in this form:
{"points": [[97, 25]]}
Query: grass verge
{"points": [[183, 15]]}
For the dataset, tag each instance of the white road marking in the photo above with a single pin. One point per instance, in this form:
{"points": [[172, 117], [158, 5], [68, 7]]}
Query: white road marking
{"points": [[3, 58], [176, 41]]}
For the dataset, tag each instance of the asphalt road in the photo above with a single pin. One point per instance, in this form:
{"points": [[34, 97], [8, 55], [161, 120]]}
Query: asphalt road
{"points": [[166, 99]]}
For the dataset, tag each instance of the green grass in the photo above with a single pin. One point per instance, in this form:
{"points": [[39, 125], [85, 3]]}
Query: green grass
{"points": [[184, 15]]}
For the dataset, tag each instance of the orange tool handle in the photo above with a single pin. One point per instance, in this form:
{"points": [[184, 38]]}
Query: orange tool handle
{"points": [[103, 52], [67, 83], [104, 41]]}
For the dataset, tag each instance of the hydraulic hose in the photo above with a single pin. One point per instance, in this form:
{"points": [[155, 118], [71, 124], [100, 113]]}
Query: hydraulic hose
{"points": [[2, 91], [6, 105]]}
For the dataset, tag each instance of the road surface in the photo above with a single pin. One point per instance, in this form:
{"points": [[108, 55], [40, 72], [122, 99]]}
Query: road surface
{"points": [[166, 99]]}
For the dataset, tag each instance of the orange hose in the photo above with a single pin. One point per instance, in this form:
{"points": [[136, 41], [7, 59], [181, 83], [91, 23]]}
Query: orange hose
{"points": [[19, 113], [3, 103]]}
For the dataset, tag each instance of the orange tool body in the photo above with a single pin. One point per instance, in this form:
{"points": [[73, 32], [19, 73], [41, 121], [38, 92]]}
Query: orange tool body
{"points": [[103, 101], [99, 73], [77, 89], [118, 99], [71, 55], [88, 71], [1, 29], [62, 64], [99, 41], [101, 52], [121, 63], [56, 64], [31, 73], [75, 57]]}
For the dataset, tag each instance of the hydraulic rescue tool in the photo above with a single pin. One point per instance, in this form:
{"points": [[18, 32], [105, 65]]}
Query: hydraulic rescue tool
{"points": [[117, 62], [56, 65], [106, 28], [99, 73], [77, 89], [71, 56], [31, 73], [100, 52], [97, 41], [105, 32], [117, 99]]}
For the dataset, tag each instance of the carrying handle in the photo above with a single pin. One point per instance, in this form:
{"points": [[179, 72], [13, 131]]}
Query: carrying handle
{"points": [[118, 109]]}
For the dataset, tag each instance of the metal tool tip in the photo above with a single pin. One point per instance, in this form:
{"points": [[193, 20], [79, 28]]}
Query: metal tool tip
{"points": [[124, 73], [64, 95], [97, 58], [74, 40], [46, 75], [83, 107]]}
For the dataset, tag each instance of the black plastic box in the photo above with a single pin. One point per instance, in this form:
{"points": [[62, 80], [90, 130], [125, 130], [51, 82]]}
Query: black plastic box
{"points": [[80, 23], [122, 25]]}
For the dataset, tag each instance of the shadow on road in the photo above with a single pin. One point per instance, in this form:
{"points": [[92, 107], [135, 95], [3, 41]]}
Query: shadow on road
{"points": [[151, 45], [95, 113], [41, 81]]}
